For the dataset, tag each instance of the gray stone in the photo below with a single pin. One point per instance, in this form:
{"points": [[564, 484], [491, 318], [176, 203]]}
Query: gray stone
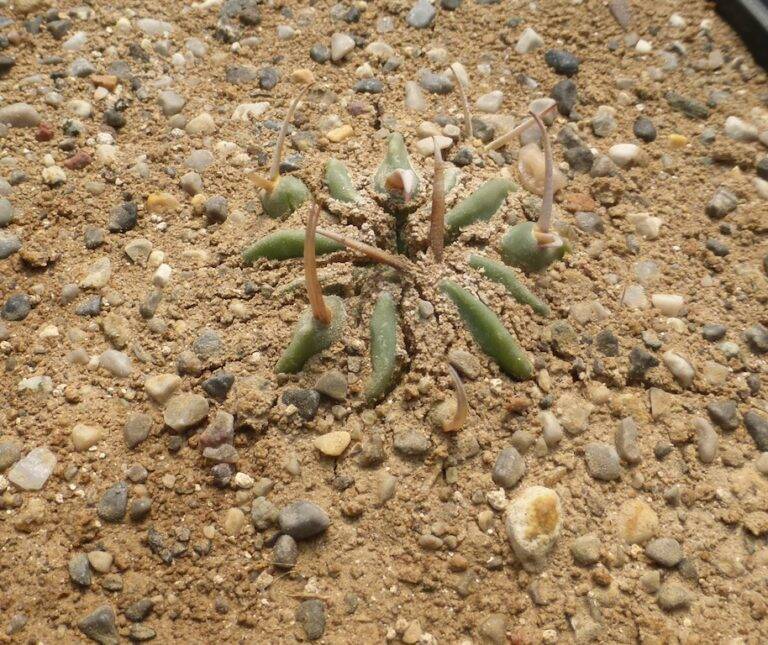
{"points": [[138, 611], [100, 626], [644, 129], [123, 218], [607, 343], [136, 429], [191, 183], [219, 431], [664, 551], [16, 308], [215, 208], [320, 53], [268, 78], [311, 616], [9, 244], [509, 468], [562, 62], [640, 361], [566, 96], [706, 441], [368, 86], [690, 107], [586, 549], [223, 454], [19, 115], [81, 68], [435, 83], [285, 552], [411, 443], [589, 222], [522, 440], [207, 344], [626, 441], [603, 123], [218, 385], [757, 427], [724, 414], [113, 503], [89, 307], [303, 519], [421, 15], [185, 411], [465, 362], [6, 212], [602, 461], [757, 338], [307, 402], [718, 247], [713, 332], [580, 158], [141, 633], [263, 513], [93, 237], [332, 384], [722, 203], [139, 509], [10, 453], [672, 597], [171, 102], [80, 570]]}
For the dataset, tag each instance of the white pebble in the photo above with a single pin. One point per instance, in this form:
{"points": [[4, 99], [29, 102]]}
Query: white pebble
{"points": [[414, 97], [490, 102], [426, 146], [643, 47], [116, 363], [529, 41], [634, 297], [669, 304], [681, 369], [341, 45], [162, 275], [624, 154], [739, 130]]}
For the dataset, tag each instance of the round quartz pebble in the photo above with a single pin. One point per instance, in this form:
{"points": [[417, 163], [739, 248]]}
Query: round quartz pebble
{"points": [[533, 523]]}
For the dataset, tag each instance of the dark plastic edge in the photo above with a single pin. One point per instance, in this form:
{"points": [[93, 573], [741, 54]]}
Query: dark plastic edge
{"points": [[749, 18]]}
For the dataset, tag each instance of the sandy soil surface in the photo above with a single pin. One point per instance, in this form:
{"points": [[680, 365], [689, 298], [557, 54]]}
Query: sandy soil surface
{"points": [[131, 329]]}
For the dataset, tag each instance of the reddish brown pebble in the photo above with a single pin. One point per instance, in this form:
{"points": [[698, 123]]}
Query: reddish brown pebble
{"points": [[44, 132], [78, 161]]}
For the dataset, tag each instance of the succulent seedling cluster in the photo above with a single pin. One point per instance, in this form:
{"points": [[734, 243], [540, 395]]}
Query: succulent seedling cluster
{"points": [[414, 240]]}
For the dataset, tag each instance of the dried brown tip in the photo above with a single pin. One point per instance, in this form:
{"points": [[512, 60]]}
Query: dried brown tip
{"points": [[274, 171], [504, 138], [403, 181], [545, 216], [377, 255], [315, 294], [464, 105], [263, 182], [462, 407]]}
